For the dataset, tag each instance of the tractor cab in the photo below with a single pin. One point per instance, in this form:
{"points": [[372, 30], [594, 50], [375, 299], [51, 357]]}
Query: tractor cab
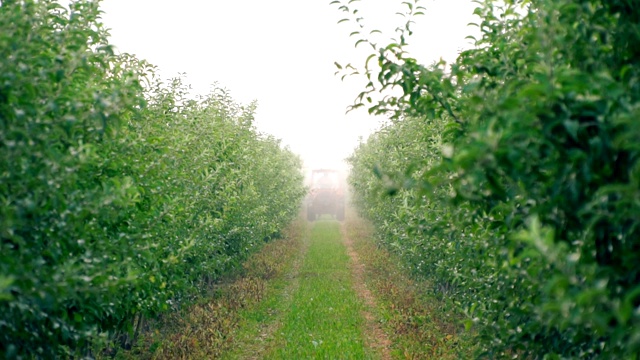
{"points": [[326, 194]]}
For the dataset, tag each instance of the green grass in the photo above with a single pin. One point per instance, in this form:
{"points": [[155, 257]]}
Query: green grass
{"points": [[324, 320]]}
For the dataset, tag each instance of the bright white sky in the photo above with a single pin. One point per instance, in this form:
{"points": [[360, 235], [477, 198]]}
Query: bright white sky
{"points": [[281, 53]]}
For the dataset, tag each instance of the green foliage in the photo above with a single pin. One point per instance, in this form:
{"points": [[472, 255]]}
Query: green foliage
{"points": [[121, 196], [516, 174]]}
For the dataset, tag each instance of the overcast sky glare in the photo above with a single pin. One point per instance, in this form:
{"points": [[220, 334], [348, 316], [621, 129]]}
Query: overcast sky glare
{"points": [[281, 53]]}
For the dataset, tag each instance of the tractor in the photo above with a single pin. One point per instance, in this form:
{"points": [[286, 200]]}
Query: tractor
{"points": [[326, 195]]}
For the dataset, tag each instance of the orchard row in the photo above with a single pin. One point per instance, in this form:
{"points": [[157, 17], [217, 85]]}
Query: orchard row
{"points": [[121, 197], [512, 176]]}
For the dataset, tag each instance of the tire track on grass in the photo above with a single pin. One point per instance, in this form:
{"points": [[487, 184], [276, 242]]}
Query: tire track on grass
{"points": [[376, 337], [254, 348]]}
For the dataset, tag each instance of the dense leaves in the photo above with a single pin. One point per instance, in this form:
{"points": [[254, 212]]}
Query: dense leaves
{"points": [[515, 173], [120, 196]]}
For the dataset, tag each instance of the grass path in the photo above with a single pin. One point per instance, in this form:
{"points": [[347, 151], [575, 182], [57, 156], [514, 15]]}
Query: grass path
{"points": [[324, 291], [324, 320], [349, 299]]}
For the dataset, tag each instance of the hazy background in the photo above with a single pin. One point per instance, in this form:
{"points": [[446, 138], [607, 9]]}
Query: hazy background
{"points": [[281, 53]]}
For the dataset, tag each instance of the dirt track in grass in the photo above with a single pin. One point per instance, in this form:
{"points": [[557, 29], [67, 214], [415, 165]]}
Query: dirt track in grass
{"points": [[376, 337]]}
